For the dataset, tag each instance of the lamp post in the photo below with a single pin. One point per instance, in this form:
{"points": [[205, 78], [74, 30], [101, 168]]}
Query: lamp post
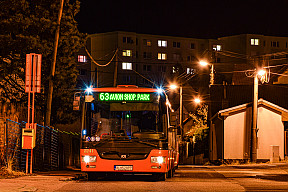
{"points": [[212, 75], [254, 130]]}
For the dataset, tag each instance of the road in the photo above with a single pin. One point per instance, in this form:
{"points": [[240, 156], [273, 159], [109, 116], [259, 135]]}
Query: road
{"points": [[263, 177]]}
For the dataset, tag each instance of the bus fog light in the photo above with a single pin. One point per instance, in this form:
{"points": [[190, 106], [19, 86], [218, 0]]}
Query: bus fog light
{"points": [[156, 167]]}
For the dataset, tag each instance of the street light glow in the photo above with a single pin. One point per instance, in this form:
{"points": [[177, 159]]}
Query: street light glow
{"points": [[197, 100], [203, 63], [173, 86], [261, 72]]}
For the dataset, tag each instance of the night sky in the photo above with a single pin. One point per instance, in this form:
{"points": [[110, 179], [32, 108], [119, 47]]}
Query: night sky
{"points": [[187, 18]]}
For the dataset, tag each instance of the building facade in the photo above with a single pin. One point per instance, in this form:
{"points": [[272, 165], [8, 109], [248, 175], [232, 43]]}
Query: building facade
{"points": [[143, 59], [150, 60]]}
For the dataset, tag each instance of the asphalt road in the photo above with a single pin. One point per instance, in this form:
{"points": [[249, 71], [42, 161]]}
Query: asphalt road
{"points": [[264, 177]]}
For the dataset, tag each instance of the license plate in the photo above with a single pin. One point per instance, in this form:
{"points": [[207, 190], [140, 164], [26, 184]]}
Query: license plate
{"points": [[123, 167]]}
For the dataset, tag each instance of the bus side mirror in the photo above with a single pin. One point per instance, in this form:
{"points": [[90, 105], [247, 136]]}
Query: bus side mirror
{"points": [[173, 119]]}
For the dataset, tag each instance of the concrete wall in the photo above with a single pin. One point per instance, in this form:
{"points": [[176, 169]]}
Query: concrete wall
{"points": [[234, 127], [271, 132]]}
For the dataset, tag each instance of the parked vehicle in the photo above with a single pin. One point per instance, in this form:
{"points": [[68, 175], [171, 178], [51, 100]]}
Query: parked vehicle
{"points": [[127, 130]]}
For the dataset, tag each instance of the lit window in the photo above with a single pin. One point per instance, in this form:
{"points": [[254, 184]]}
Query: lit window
{"points": [[217, 47], [175, 69], [254, 41], [126, 66], [127, 53], [147, 42], [82, 59], [162, 43], [190, 71], [162, 56]]}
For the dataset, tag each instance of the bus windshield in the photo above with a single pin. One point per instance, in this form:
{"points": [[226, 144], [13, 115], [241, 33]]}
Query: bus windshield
{"points": [[129, 116]]}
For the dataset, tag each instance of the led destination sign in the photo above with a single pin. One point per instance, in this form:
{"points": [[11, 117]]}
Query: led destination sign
{"points": [[124, 96]]}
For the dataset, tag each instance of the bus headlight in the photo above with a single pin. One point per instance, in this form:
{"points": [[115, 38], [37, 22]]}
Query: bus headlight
{"points": [[158, 160], [88, 159]]}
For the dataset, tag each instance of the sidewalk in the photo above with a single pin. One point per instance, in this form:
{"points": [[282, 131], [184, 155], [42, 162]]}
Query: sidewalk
{"points": [[41, 181]]}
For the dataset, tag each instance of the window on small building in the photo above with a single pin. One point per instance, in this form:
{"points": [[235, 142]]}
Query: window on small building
{"points": [[82, 59], [126, 66], [162, 56], [147, 42], [127, 53], [147, 67], [162, 43], [217, 47], [254, 41]]}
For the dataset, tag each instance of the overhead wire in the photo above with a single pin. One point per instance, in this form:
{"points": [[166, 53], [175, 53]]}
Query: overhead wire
{"points": [[100, 65]]}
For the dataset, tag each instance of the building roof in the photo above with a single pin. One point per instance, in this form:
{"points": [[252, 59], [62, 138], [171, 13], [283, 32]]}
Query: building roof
{"points": [[261, 102], [228, 96]]}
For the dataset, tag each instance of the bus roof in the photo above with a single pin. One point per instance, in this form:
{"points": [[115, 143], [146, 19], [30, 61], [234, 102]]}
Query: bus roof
{"points": [[125, 88]]}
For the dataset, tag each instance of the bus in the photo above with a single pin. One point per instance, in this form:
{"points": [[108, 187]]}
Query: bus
{"points": [[128, 130]]}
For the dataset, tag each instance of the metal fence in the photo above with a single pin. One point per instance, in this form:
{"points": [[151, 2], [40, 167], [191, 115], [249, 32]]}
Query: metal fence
{"points": [[45, 153]]}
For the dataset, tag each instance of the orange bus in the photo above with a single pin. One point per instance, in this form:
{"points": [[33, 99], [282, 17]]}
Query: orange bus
{"points": [[127, 130]]}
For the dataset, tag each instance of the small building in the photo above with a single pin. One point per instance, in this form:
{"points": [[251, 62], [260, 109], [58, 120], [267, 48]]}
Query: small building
{"points": [[230, 133]]}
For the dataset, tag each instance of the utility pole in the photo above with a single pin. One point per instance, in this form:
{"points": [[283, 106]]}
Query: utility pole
{"points": [[212, 75], [254, 121], [181, 112], [52, 72]]}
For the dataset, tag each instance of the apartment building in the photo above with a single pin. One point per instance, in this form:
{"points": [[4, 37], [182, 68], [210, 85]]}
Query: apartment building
{"points": [[143, 59], [248, 51], [150, 60]]}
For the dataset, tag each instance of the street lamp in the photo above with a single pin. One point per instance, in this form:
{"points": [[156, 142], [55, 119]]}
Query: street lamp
{"points": [[205, 63], [197, 100], [260, 74]]}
